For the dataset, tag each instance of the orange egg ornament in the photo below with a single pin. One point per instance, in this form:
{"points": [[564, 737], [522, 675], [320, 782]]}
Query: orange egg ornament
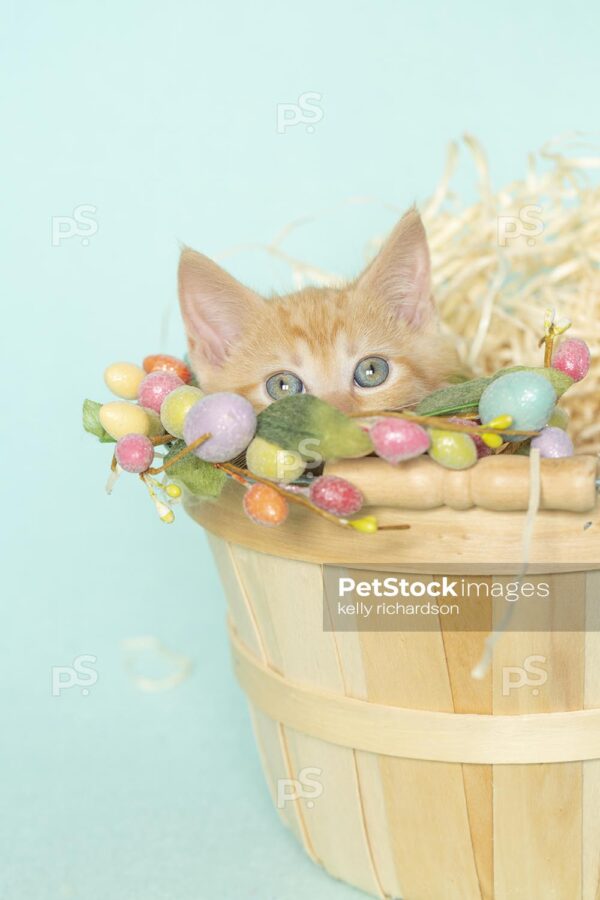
{"points": [[161, 362], [263, 504]]}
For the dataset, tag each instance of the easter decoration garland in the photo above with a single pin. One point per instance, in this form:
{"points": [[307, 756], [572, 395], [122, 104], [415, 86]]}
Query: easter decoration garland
{"points": [[207, 437]]}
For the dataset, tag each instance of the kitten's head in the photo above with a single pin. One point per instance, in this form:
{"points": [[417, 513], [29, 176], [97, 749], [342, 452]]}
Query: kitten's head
{"points": [[372, 344]]}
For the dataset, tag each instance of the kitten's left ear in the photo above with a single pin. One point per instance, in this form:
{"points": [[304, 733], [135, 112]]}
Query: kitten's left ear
{"points": [[216, 308], [400, 274]]}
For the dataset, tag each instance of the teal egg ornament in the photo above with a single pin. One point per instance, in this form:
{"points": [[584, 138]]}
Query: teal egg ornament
{"points": [[527, 397]]}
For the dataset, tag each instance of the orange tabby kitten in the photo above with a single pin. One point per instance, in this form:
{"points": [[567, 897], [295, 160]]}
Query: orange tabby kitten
{"points": [[372, 344]]}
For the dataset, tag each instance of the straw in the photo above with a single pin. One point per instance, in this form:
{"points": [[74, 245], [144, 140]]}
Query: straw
{"points": [[492, 288], [499, 262]]}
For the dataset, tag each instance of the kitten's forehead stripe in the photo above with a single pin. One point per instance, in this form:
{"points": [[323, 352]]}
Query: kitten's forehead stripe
{"points": [[299, 333]]}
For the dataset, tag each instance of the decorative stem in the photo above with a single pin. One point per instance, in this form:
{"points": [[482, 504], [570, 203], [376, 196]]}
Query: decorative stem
{"points": [[238, 473], [189, 449], [248, 477], [442, 422], [553, 327], [162, 439]]}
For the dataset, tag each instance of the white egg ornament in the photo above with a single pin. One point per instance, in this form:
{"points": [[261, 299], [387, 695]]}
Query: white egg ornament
{"points": [[528, 398]]}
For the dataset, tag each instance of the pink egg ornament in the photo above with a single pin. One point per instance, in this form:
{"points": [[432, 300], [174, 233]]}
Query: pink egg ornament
{"points": [[155, 387], [572, 358], [134, 453], [397, 440], [336, 495]]}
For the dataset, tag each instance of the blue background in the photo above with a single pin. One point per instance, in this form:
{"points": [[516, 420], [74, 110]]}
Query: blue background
{"points": [[163, 118]]}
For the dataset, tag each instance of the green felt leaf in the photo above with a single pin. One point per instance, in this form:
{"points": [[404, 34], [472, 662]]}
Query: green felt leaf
{"points": [[91, 421], [454, 399], [458, 378], [199, 477], [313, 428]]}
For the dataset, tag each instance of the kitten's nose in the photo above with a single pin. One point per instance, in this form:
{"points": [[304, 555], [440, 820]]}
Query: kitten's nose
{"points": [[342, 401]]}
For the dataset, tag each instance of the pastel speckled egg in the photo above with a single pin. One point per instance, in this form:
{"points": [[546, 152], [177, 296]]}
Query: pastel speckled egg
{"points": [[482, 448], [553, 443], [161, 362], [120, 418], [134, 452], [123, 379], [156, 387], [267, 460], [527, 397], [396, 440], [572, 358], [336, 495], [229, 418], [156, 426], [452, 449], [263, 504], [176, 406]]}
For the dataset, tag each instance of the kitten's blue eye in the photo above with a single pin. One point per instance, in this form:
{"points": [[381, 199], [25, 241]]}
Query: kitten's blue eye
{"points": [[283, 384], [371, 372]]}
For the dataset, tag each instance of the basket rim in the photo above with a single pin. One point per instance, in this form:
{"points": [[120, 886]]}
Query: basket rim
{"points": [[438, 540]]}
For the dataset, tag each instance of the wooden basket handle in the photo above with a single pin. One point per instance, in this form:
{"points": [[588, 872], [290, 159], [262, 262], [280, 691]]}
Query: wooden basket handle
{"points": [[499, 483]]}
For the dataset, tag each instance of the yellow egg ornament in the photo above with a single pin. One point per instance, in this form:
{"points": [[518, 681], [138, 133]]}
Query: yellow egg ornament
{"points": [[452, 449], [120, 418], [176, 406], [123, 379], [267, 460]]}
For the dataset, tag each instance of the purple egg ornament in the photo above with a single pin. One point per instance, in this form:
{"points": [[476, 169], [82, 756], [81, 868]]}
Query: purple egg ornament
{"points": [[553, 443], [229, 418]]}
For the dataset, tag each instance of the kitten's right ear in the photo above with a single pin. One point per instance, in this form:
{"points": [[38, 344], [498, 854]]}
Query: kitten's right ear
{"points": [[400, 274], [215, 307]]}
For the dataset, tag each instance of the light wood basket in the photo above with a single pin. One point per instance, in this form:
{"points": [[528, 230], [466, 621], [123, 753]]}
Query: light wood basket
{"points": [[431, 785]]}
